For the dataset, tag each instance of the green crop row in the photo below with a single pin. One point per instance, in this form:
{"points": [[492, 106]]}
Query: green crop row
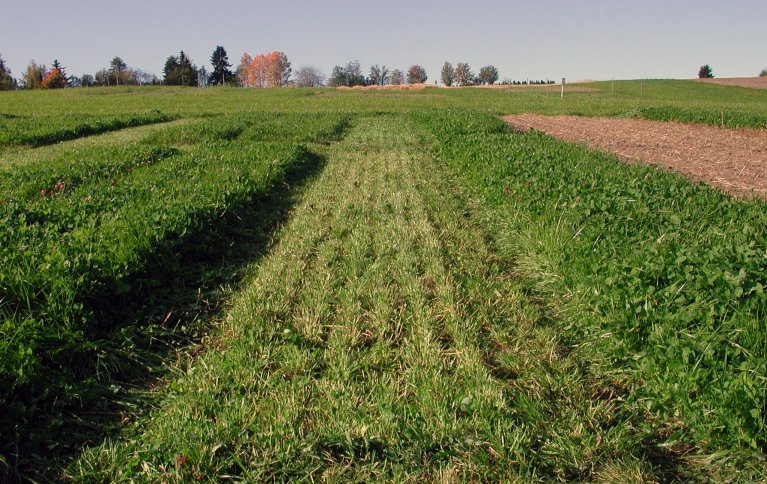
{"points": [[45, 130], [93, 226], [661, 278]]}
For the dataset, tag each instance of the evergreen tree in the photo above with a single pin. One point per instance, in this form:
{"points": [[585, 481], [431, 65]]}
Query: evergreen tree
{"points": [[56, 78], [117, 68], [179, 71], [170, 71], [705, 72], [6, 81], [221, 74]]}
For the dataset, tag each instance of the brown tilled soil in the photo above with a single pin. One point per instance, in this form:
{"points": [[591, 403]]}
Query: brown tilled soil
{"points": [[734, 160], [752, 82]]}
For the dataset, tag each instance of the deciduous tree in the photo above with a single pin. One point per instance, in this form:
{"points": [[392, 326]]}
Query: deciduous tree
{"points": [[379, 75], [463, 74], [102, 77], [349, 76], [448, 74], [309, 76], [396, 77], [763, 73], [87, 80], [266, 70], [416, 75], [705, 72], [34, 75], [488, 75]]}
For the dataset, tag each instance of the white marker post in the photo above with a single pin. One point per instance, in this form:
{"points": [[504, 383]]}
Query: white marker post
{"points": [[562, 96]]}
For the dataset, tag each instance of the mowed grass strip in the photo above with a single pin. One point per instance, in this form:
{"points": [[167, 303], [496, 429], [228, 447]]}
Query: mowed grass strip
{"points": [[381, 339], [17, 156]]}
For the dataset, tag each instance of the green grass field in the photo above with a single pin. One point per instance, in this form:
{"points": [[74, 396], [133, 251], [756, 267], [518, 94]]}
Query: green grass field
{"points": [[372, 285]]}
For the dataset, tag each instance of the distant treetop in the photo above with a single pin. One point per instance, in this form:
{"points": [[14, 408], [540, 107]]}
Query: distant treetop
{"points": [[705, 72]]}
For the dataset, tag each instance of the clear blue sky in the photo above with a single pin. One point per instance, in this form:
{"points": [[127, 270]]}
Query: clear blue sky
{"points": [[590, 39]]}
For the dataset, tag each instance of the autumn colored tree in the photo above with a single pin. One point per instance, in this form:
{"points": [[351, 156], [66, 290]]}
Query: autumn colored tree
{"points": [[448, 74], [488, 75], [56, 77], [416, 75], [221, 74], [265, 70]]}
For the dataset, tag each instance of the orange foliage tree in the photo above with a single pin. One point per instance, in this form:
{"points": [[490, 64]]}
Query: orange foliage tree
{"points": [[265, 70], [56, 77]]}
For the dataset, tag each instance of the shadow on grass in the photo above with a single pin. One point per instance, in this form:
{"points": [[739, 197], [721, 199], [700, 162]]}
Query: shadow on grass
{"points": [[170, 311]]}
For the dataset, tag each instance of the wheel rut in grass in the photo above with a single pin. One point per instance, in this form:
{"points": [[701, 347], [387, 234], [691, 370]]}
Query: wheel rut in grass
{"points": [[380, 339]]}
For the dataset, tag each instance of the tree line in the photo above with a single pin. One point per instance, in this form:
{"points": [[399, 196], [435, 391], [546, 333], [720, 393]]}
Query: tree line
{"points": [[271, 69], [462, 75]]}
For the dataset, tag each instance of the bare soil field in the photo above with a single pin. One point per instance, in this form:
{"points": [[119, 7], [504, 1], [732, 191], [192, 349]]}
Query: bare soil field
{"points": [[752, 82], [734, 160]]}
